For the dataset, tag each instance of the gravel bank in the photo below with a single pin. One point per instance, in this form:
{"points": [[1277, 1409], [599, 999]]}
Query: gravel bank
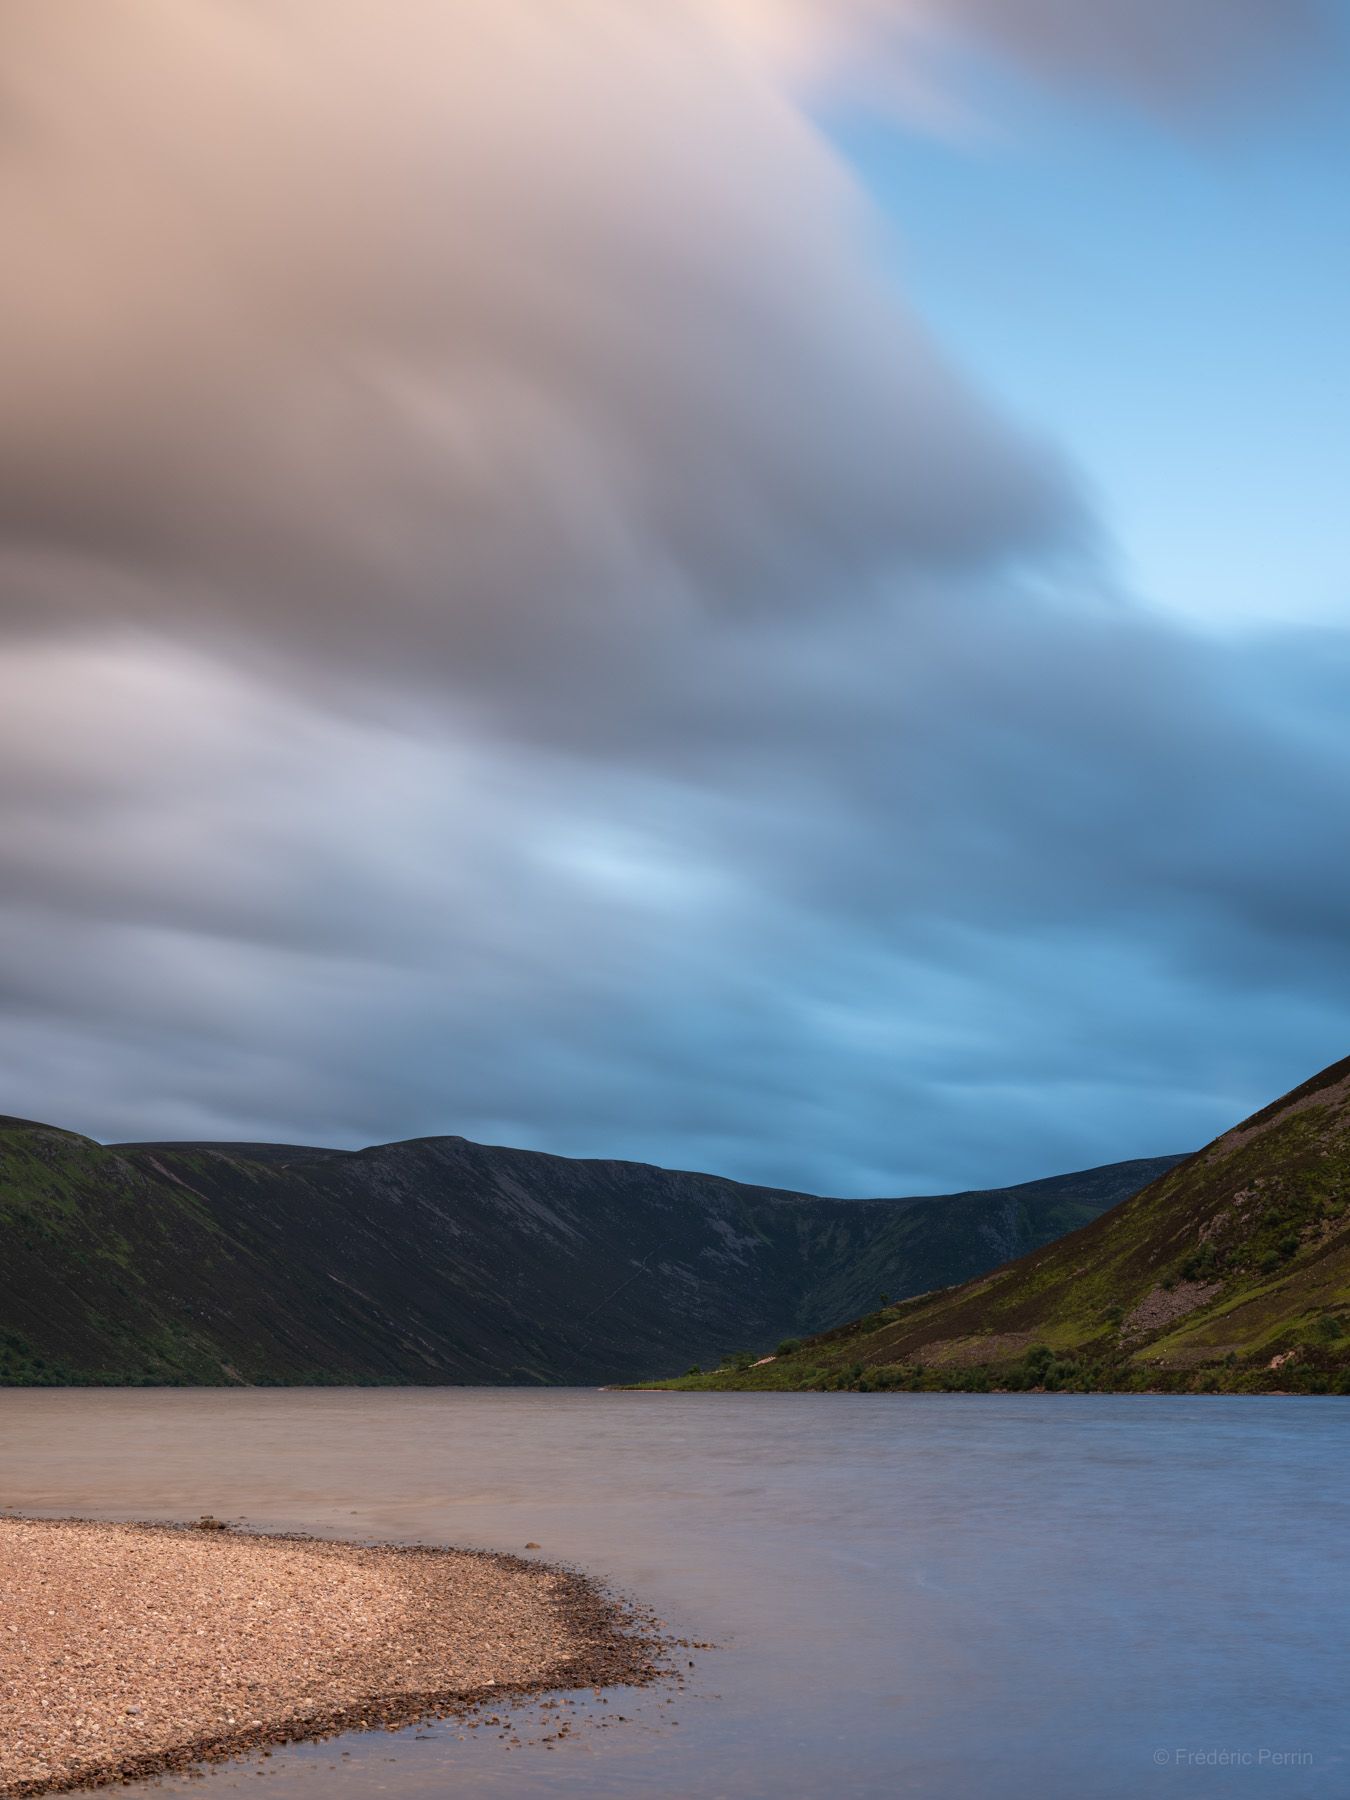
{"points": [[126, 1650]]}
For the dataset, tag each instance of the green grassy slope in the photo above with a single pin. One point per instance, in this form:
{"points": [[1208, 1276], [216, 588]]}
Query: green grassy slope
{"points": [[940, 1240], [1230, 1273], [445, 1261]]}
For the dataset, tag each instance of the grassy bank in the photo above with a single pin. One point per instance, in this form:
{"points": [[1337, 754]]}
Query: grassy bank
{"points": [[1229, 1274]]}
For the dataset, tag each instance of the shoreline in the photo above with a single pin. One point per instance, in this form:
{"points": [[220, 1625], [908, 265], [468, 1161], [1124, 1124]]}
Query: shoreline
{"points": [[134, 1649]]}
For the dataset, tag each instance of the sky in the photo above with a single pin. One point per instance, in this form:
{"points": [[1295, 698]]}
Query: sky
{"points": [[757, 585]]}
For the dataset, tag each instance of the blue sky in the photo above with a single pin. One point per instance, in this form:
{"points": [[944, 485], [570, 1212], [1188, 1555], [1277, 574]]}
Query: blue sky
{"points": [[1167, 299]]}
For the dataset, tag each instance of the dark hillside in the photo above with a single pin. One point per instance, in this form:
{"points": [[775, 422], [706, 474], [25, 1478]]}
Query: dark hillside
{"points": [[440, 1260]]}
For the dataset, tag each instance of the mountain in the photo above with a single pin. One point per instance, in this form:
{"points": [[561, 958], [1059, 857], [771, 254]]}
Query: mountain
{"points": [[443, 1261], [1230, 1273]]}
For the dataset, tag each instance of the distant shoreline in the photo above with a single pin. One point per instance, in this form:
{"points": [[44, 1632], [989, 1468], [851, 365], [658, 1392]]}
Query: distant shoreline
{"points": [[137, 1649]]}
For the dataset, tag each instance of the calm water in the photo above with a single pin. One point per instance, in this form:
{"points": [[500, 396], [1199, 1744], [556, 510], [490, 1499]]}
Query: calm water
{"points": [[945, 1596]]}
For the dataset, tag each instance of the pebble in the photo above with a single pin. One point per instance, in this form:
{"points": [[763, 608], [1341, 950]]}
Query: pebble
{"points": [[167, 1645]]}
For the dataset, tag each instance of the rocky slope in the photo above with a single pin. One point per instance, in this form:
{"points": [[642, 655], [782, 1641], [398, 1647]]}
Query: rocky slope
{"points": [[441, 1260], [1229, 1273]]}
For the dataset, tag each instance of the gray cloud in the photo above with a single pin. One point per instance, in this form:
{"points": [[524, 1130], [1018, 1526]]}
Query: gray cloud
{"points": [[513, 628], [1169, 52], [1181, 58], [957, 937]]}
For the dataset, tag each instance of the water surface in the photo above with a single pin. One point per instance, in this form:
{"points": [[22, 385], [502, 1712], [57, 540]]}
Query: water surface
{"points": [[948, 1596]]}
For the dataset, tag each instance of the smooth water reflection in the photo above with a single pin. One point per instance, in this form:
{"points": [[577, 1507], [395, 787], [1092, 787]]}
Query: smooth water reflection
{"points": [[947, 1596]]}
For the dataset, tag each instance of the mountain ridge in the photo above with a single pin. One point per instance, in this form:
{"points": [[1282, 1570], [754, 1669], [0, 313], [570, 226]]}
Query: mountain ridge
{"points": [[440, 1260]]}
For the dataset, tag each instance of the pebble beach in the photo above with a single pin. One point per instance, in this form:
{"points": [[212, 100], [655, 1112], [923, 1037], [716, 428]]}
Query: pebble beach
{"points": [[127, 1650]]}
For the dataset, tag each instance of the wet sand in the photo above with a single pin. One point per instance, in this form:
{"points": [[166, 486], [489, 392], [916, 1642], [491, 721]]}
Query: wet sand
{"points": [[128, 1650]]}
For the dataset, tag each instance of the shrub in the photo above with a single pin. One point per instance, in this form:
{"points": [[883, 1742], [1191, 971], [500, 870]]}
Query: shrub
{"points": [[1198, 1264], [693, 1369], [1329, 1328], [788, 1347], [1040, 1367]]}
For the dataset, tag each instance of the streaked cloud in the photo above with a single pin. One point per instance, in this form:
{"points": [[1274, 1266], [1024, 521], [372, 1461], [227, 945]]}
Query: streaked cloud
{"points": [[513, 625], [1173, 55], [461, 347]]}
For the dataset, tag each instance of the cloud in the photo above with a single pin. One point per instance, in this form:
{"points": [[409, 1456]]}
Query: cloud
{"points": [[1169, 53], [464, 348], [1051, 898], [512, 625], [1171, 56]]}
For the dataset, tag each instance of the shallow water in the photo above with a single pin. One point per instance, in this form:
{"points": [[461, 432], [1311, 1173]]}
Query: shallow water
{"points": [[948, 1596]]}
